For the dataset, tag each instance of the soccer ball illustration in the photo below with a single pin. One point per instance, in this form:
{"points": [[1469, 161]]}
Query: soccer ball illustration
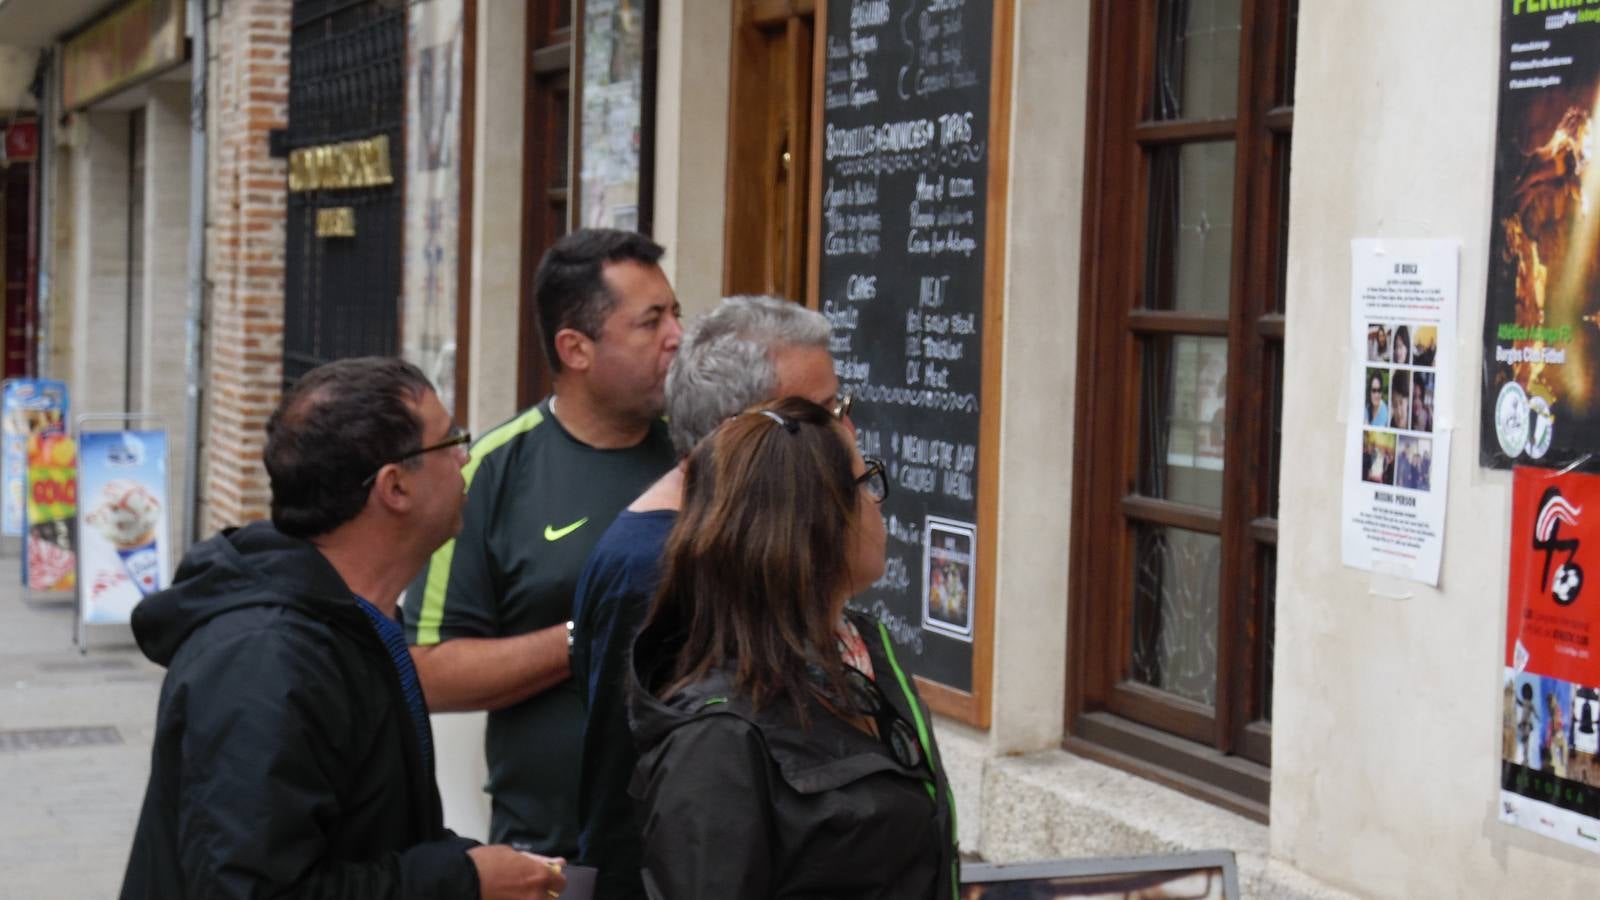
{"points": [[1568, 582]]}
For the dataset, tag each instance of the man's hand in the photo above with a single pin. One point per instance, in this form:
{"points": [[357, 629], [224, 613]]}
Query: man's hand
{"points": [[507, 874]]}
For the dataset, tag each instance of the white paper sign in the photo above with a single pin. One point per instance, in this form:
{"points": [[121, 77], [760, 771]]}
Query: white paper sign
{"points": [[1397, 446]]}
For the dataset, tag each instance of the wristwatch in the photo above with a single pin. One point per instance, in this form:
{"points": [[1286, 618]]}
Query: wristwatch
{"points": [[570, 626]]}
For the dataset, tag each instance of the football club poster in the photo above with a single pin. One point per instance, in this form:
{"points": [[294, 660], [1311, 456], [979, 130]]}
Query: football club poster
{"points": [[1541, 351], [1550, 726]]}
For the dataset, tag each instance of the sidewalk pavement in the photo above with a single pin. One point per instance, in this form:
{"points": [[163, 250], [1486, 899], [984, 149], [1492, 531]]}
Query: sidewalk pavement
{"points": [[75, 735]]}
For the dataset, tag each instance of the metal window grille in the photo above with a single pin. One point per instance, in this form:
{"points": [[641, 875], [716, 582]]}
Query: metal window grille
{"points": [[346, 82]]}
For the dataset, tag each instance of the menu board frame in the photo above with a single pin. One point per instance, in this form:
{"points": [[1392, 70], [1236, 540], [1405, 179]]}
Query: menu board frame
{"points": [[970, 707]]}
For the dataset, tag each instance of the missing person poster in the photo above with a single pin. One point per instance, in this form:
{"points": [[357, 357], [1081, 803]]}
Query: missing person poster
{"points": [[27, 407], [124, 546], [48, 563], [1397, 445], [1550, 689], [1541, 346]]}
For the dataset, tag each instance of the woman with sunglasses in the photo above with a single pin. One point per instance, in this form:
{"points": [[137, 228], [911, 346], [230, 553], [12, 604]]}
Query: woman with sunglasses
{"points": [[1377, 405], [783, 749]]}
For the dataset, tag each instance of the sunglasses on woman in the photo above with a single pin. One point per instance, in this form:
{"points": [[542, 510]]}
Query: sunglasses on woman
{"points": [[896, 733]]}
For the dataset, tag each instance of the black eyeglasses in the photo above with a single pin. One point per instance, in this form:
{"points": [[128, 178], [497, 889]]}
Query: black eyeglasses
{"points": [[875, 479], [897, 734], [455, 437]]}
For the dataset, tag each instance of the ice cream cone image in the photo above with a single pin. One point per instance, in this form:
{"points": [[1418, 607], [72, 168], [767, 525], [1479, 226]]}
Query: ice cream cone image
{"points": [[128, 516]]}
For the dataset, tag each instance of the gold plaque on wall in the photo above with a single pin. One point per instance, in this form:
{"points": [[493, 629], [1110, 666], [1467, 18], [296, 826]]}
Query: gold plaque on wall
{"points": [[336, 221]]}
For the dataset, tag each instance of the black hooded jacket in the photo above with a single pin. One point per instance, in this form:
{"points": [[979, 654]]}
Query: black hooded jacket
{"points": [[743, 803], [285, 761]]}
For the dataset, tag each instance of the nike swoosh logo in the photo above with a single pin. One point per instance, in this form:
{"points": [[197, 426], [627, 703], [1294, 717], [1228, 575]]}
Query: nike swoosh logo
{"points": [[552, 533]]}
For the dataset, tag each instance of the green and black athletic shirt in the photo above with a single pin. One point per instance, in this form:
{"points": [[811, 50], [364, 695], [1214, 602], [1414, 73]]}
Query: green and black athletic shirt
{"points": [[537, 501]]}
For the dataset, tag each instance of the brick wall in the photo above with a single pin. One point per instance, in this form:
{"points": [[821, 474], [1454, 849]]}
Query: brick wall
{"points": [[249, 59]]}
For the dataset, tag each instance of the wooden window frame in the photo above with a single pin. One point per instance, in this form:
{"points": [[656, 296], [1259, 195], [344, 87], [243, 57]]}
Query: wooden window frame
{"points": [[549, 71], [1220, 753], [468, 143]]}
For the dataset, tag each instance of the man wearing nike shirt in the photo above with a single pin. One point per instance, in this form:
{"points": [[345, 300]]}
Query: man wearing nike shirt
{"points": [[488, 618]]}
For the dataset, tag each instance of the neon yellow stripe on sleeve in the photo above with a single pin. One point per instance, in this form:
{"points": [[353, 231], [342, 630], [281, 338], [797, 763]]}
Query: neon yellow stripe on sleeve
{"points": [[431, 615]]}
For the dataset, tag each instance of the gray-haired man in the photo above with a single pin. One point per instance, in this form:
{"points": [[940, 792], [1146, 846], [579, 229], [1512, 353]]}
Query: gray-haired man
{"points": [[747, 350]]}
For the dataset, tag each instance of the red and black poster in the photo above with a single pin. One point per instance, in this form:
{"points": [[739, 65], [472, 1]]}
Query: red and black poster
{"points": [[1541, 330], [1550, 726]]}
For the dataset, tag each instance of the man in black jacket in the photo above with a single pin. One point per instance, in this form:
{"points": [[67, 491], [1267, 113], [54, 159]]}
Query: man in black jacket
{"points": [[293, 755]]}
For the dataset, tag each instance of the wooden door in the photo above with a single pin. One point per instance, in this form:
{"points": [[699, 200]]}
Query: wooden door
{"points": [[769, 140]]}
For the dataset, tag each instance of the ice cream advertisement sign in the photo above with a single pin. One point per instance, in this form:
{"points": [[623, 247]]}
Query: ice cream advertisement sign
{"points": [[27, 408], [124, 552]]}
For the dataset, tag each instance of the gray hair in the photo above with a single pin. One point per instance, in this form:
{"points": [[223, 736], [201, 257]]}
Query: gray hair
{"points": [[725, 365]]}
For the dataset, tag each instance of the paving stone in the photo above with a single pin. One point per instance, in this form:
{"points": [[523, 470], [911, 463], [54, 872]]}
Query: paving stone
{"points": [[70, 809]]}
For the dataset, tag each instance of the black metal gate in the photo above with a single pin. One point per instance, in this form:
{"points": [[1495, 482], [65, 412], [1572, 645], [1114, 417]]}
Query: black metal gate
{"points": [[345, 229]]}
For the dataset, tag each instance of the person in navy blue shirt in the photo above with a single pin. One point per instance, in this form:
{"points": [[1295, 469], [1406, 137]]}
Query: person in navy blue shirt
{"points": [[747, 350]]}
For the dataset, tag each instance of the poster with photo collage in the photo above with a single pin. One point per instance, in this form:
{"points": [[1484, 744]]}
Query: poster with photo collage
{"points": [[1403, 320]]}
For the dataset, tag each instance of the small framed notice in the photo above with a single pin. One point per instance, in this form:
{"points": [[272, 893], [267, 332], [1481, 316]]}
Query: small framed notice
{"points": [[949, 551]]}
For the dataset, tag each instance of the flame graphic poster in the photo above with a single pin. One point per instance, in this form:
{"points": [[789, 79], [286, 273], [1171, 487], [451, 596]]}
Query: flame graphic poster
{"points": [[1541, 330], [1550, 687]]}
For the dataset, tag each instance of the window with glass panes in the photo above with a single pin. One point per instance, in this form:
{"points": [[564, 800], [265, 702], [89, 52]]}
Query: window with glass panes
{"points": [[1180, 385]]}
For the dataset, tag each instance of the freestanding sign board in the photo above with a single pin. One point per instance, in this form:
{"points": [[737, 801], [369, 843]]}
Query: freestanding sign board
{"points": [[123, 543], [48, 564], [27, 407]]}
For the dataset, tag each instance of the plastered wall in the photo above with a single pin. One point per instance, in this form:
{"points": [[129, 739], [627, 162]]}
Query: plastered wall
{"points": [[1039, 377], [694, 40], [1387, 699], [99, 264], [496, 255], [16, 73]]}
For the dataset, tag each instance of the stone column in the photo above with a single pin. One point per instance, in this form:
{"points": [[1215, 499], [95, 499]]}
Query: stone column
{"points": [[99, 267]]}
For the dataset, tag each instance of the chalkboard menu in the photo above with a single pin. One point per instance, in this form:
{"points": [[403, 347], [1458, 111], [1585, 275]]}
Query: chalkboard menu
{"points": [[904, 190]]}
